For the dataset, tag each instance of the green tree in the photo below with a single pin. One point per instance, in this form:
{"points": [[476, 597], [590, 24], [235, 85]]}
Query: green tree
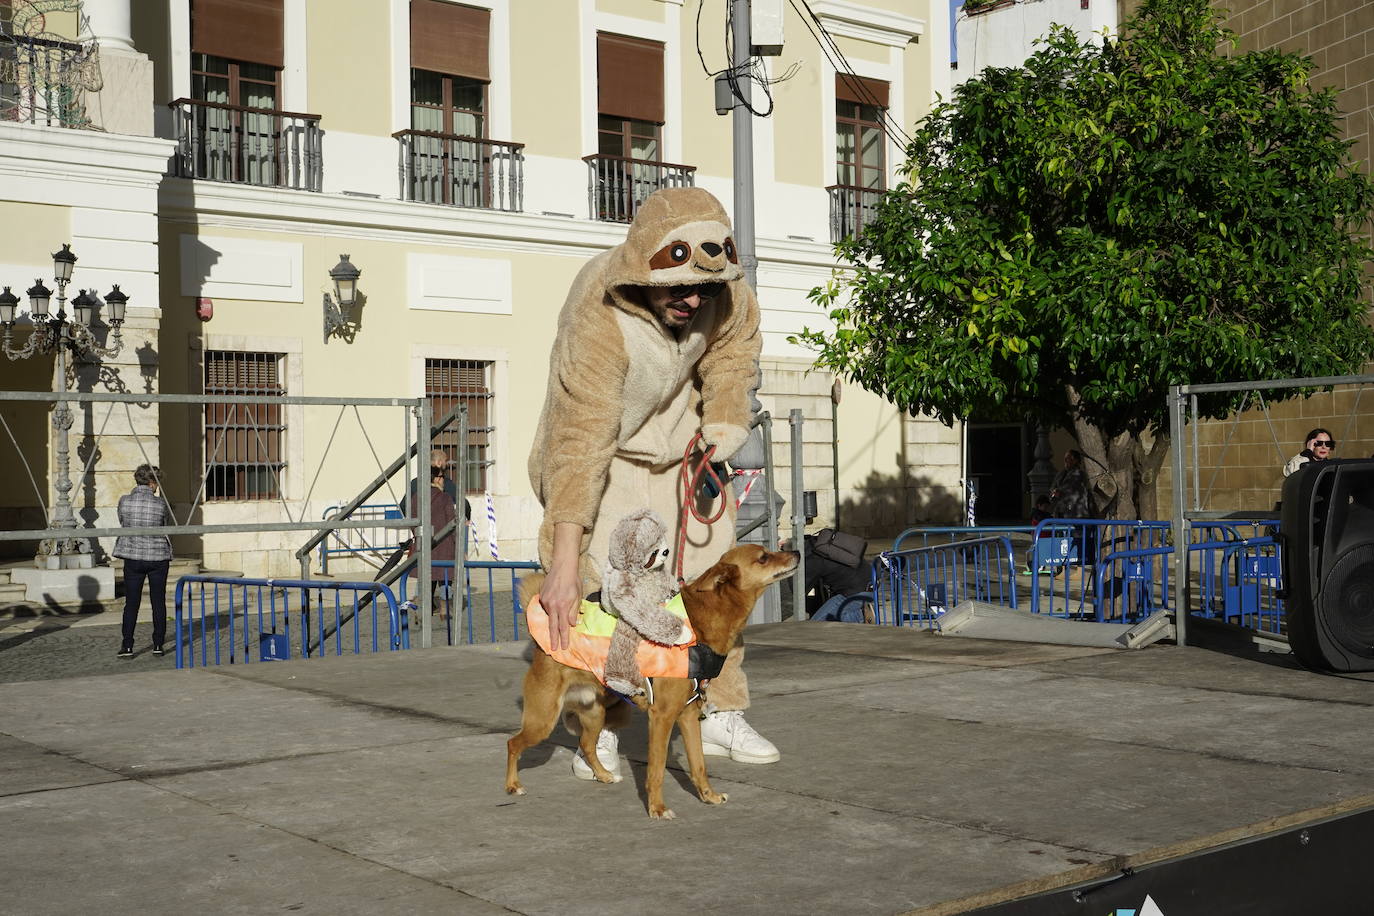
{"points": [[1075, 235]]}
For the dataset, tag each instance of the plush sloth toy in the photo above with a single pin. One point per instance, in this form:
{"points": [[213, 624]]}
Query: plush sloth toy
{"points": [[634, 588]]}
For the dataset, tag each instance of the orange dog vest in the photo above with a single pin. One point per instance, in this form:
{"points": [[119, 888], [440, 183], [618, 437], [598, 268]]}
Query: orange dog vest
{"points": [[590, 642]]}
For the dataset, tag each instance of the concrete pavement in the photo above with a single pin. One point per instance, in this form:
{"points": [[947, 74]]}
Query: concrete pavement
{"points": [[919, 773]]}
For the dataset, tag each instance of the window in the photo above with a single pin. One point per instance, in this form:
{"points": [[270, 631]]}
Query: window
{"points": [[446, 160], [859, 137], [449, 383], [445, 104], [9, 65], [236, 131], [244, 443], [627, 166], [860, 159], [627, 137], [449, 75]]}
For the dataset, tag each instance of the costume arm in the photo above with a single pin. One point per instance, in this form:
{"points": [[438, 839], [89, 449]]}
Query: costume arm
{"points": [[651, 620], [728, 371], [582, 411]]}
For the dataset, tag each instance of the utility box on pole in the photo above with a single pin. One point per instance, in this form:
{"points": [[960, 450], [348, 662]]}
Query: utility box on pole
{"points": [[765, 27]]}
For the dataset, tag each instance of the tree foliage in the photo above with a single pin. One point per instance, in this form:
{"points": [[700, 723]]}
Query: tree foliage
{"points": [[1075, 235]]}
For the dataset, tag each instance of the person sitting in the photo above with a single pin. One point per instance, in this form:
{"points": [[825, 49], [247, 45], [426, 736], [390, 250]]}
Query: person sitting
{"points": [[836, 585], [1071, 497], [1317, 446]]}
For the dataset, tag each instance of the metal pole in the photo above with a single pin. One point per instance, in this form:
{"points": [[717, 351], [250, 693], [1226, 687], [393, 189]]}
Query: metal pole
{"points": [[422, 543], [458, 588], [835, 449], [62, 516], [742, 120], [798, 517], [771, 525], [1176, 442]]}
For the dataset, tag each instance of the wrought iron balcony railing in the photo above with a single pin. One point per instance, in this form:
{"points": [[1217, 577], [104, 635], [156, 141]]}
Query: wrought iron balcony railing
{"points": [[851, 209], [616, 186], [274, 149], [461, 171], [45, 80]]}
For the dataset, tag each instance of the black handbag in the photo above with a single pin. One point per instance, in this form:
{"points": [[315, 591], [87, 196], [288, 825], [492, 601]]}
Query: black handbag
{"points": [[846, 549]]}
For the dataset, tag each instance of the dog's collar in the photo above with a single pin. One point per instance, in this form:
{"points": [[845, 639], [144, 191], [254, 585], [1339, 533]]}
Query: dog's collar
{"points": [[703, 662]]}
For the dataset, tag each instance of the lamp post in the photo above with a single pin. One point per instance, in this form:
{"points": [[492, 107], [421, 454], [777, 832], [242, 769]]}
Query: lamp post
{"points": [[338, 311], [57, 333]]}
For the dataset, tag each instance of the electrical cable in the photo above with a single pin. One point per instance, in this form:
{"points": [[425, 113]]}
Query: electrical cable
{"points": [[751, 70], [844, 69]]}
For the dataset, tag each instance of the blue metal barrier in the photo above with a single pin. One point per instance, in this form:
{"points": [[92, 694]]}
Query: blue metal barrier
{"points": [[1065, 554], [1239, 582], [380, 541], [914, 587], [502, 572], [1126, 588], [257, 620], [953, 533]]}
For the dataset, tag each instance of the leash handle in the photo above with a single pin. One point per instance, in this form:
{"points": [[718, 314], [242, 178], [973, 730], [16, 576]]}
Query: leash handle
{"points": [[691, 479]]}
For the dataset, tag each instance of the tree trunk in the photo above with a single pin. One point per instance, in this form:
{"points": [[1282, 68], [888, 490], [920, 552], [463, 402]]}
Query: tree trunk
{"points": [[1123, 474], [1147, 465]]}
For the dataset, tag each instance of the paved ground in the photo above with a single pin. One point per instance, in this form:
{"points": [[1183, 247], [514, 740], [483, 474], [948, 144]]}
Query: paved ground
{"points": [[919, 773]]}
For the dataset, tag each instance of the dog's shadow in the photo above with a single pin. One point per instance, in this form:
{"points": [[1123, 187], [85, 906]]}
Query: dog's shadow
{"points": [[635, 735]]}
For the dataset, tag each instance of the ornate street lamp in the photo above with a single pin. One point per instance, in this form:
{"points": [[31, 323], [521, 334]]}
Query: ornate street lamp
{"points": [[58, 334], [337, 310]]}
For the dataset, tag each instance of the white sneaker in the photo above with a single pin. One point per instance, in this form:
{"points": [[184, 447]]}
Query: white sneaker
{"points": [[724, 733], [607, 751]]}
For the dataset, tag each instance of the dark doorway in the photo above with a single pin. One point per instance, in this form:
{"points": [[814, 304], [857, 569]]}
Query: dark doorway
{"points": [[997, 462]]}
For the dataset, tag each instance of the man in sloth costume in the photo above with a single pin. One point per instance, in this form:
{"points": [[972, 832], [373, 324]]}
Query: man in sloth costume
{"points": [[658, 338]]}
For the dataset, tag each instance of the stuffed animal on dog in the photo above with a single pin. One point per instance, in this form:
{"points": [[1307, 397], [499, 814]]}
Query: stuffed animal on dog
{"points": [[634, 588]]}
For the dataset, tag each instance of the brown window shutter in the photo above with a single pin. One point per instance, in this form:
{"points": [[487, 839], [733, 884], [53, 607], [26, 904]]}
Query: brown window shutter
{"points": [[243, 30], [860, 89], [629, 77], [450, 38]]}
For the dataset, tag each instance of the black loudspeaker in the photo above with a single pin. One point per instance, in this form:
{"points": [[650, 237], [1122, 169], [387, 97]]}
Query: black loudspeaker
{"points": [[1328, 564]]}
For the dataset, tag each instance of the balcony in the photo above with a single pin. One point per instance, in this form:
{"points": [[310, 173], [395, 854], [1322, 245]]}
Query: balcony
{"points": [[272, 149], [851, 209], [616, 186], [44, 80], [461, 171]]}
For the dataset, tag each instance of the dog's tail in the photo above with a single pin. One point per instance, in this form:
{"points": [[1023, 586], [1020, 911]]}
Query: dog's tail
{"points": [[530, 586]]}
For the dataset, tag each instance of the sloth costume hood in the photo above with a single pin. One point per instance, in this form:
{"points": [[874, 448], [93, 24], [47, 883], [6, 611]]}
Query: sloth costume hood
{"points": [[626, 393]]}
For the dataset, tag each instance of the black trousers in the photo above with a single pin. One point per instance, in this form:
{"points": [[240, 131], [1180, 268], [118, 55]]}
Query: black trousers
{"points": [[155, 571]]}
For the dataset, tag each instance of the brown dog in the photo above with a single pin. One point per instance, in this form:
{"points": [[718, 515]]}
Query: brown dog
{"points": [[718, 603]]}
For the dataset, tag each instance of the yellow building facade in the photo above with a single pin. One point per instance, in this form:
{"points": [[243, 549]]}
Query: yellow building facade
{"points": [[468, 158]]}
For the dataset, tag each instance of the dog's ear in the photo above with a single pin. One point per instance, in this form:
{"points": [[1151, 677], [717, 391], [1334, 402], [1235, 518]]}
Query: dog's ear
{"points": [[721, 575]]}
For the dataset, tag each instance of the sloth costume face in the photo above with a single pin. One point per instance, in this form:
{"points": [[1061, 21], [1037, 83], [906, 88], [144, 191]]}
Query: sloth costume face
{"points": [[626, 394]]}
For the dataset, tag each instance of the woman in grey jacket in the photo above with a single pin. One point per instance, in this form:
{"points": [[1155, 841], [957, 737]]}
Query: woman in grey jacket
{"points": [[145, 556]]}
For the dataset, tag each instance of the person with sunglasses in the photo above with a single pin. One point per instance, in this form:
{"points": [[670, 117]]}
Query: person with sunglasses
{"points": [[657, 341], [1318, 446]]}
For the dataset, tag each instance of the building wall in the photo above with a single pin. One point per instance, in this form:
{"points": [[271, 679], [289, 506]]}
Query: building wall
{"points": [[444, 282], [1001, 34]]}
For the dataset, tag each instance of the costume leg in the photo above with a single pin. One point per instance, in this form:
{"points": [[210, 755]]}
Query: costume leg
{"points": [[730, 689]]}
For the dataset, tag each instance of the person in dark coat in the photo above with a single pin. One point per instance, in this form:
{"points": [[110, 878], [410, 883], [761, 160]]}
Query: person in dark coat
{"points": [[442, 511]]}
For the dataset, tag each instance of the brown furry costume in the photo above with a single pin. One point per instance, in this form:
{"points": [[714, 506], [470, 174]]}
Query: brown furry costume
{"points": [[626, 394]]}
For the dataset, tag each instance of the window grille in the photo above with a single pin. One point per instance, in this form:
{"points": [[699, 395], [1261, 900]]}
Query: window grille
{"points": [[450, 382], [244, 443]]}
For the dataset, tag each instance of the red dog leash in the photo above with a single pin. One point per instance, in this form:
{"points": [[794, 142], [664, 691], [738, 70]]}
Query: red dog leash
{"points": [[691, 479]]}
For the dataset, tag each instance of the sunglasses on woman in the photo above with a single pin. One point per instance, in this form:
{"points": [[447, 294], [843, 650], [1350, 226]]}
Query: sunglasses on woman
{"points": [[1323, 443], [704, 290]]}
